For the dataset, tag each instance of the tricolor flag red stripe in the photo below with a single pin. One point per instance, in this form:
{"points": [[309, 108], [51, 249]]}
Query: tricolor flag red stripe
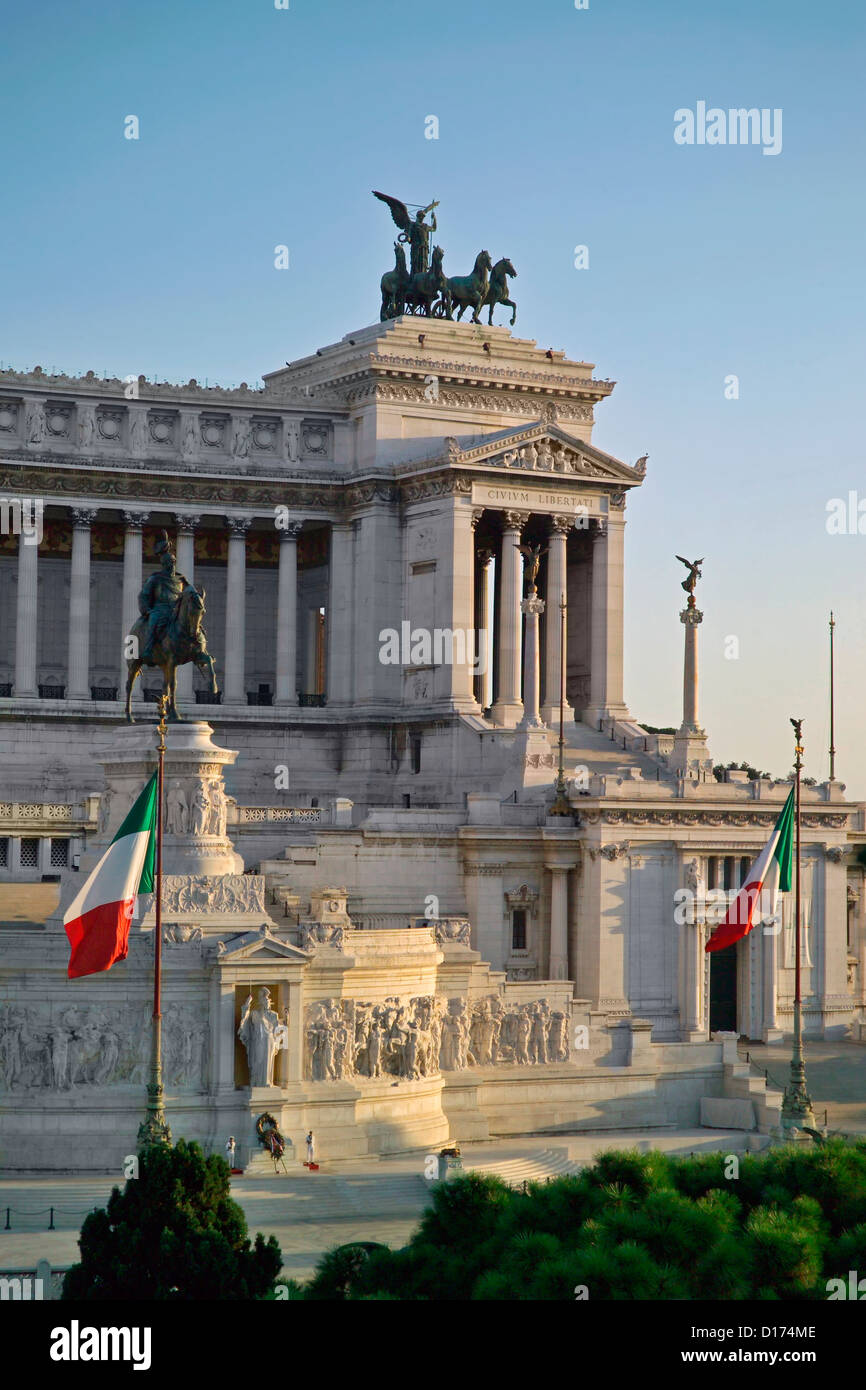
{"points": [[97, 922], [767, 877]]}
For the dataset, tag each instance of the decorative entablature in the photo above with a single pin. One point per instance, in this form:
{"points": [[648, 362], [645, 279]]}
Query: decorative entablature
{"points": [[62, 482], [688, 819]]}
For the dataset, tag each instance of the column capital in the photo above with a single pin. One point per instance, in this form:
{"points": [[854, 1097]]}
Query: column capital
{"points": [[185, 522], [691, 617], [477, 514], [532, 605], [484, 557], [599, 528], [561, 525], [83, 517], [515, 521], [133, 521], [290, 531], [238, 525]]}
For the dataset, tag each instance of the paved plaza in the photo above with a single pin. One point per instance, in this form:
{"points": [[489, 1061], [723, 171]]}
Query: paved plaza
{"points": [[382, 1199]]}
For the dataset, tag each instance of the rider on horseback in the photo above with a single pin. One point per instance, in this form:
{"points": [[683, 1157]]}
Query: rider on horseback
{"points": [[158, 599]]}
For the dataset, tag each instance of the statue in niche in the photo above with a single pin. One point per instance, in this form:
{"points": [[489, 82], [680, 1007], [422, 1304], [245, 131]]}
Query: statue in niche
{"points": [[35, 423], [176, 811], [137, 432], [293, 440], [190, 442], [262, 1034], [242, 436], [86, 428], [104, 811]]}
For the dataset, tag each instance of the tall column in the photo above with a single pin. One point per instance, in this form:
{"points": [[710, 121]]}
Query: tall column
{"points": [[133, 522], [78, 667], [234, 647], [508, 708], [557, 585], [691, 617], [311, 636], [690, 755], [287, 615], [532, 608], [26, 617], [338, 615], [482, 603], [453, 678], [186, 566], [606, 620]]}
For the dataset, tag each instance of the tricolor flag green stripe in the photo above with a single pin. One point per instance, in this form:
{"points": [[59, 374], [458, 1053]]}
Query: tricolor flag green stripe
{"points": [[97, 922], [768, 876]]}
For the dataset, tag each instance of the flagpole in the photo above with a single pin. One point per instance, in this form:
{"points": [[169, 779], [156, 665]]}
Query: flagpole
{"points": [[155, 1129], [797, 1104], [832, 705]]}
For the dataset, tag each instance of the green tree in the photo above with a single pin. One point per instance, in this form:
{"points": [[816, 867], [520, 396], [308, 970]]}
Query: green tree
{"points": [[173, 1233]]}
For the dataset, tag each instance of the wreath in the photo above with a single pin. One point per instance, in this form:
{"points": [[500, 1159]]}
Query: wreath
{"points": [[268, 1135]]}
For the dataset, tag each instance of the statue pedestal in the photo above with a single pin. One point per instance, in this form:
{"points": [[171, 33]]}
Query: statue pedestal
{"points": [[205, 889]]}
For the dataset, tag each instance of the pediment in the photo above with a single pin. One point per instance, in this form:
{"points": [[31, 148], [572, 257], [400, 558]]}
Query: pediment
{"points": [[260, 947], [543, 448]]}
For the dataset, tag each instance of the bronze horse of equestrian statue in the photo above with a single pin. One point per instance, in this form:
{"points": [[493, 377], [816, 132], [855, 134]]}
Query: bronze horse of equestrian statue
{"points": [[181, 642]]}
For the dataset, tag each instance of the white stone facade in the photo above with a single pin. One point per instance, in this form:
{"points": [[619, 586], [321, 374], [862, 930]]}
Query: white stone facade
{"points": [[382, 486]]}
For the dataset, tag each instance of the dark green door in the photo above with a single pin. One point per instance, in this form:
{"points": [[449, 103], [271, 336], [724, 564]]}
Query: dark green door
{"points": [[723, 990]]}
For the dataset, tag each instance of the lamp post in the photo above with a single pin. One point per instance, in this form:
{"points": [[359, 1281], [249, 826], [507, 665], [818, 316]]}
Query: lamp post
{"points": [[797, 1104]]}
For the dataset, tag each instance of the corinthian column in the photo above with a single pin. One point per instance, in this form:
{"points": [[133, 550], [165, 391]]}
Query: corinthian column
{"points": [[236, 610], [186, 566], [556, 592], [78, 667], [287, 615], [131, 587], [606, 620], [532, 608], [338, 615], [25, 618], [508, 708], [482, 636]]}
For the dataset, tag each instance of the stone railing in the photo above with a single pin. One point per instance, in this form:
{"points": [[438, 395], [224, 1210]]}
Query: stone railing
{"points": [[275, 815]]}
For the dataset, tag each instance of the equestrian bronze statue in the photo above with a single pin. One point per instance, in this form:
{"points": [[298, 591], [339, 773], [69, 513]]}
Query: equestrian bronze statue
{"points": [[168, 632]]}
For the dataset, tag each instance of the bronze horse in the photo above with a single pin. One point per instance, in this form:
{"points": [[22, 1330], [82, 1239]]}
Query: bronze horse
{"points": [[394, 285], [469, 290], [426, 287], [498, 291], [183, 641]]}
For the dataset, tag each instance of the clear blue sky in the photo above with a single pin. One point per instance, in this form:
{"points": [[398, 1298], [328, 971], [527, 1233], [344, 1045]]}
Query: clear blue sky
{"points": [[262, 126]]}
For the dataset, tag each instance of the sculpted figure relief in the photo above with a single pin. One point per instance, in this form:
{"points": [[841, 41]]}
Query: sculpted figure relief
{"points": [[417, 1038], [176, 810], [46, 1048]]}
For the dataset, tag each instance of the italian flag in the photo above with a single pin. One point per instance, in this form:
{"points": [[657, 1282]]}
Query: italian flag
{"points": [[768, 876], [97, 922]]}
